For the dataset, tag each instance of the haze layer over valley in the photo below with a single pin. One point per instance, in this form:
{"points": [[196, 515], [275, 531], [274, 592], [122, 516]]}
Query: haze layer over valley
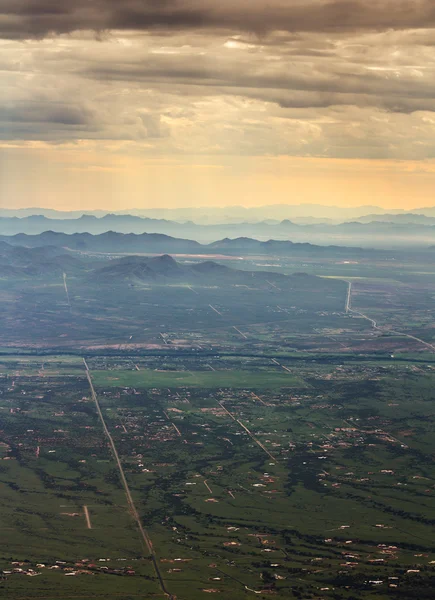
{"points": [[217, 299]]}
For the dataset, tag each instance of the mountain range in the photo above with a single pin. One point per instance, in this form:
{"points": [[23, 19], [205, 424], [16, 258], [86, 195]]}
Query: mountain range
{"points": [[388, 231], [50, 263], [120, 243], [220, 215], [28, 262], [160, 268], [165, 269]]}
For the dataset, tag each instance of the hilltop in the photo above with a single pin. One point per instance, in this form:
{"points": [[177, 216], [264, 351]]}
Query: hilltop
{"points": [[108, 242], [165, 269], [139, 268], [16, 261]]}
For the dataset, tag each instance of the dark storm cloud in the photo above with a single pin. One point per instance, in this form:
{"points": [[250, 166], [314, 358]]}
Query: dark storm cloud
{"points": [[288, 85], [46, 113], [20, 19], [194, 77], [46, 120]]}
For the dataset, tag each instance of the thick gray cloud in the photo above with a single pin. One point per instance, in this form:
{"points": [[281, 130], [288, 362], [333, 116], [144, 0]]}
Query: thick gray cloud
{"points": [[312, 78], [47, 113], [21, 19]]}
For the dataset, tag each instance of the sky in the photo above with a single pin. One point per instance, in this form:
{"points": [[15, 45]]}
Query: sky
{"points": [[167, 103]]}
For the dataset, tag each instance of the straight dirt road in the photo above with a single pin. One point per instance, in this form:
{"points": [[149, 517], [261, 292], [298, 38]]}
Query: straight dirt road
{"points": [[251, 435], [66, 290], [349, 292], [87, 517]]}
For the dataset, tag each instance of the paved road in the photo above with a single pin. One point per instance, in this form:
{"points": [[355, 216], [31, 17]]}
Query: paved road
{"points": [[376, 326], [144, 535], [413, 337]]}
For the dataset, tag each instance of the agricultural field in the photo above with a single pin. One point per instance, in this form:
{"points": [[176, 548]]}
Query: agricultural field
{"points": [[314, 480]]}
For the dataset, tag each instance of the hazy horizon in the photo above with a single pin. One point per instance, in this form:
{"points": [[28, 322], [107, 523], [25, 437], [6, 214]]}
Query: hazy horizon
{"points": [[220, 206]]}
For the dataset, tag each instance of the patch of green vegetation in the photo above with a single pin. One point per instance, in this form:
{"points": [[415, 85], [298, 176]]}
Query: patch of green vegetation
{"points": [[275, 487], [147, 379]]}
